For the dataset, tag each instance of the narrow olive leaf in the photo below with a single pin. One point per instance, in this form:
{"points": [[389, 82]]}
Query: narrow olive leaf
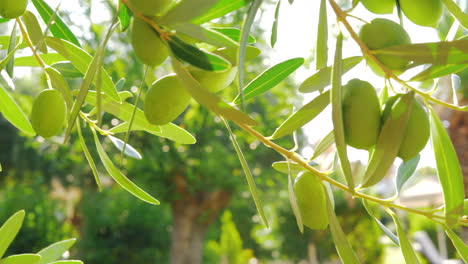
{"points": [[207, 99], [34, 31], [13, 113], [11, 50], [457, 12], [129, 149], [186, 11], [4, 40], [303, 116], [196, 57], [59, 83], [248, 173], [448, 169], [324, 144], [169, 131], [437, 53], [344, 249], [21, 259], [293, 200], [31, 61], [222, 8], [6, 60], [124, 17], [389, 141], [121, 179], [55, 251], [458, 243], [88, 156], [206, 35], [383, 96], [274, 27], [245, 32], [285, 167], [405, 244], [234, 34], [321, 49], [82, 60], [67, 70], [269, 79], [405, 171], [387, 231], [3, 20], [437, 71], [9, 230], [321, 78], [58, 28], [337, 112]]}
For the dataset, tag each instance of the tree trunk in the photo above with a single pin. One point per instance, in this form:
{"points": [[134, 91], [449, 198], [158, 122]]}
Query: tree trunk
{"points": [[192, 214]]}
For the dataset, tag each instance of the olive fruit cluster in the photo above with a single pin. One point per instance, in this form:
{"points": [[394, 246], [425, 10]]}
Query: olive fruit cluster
{"points": [[12, 8], [362, 119], [48, 113]]}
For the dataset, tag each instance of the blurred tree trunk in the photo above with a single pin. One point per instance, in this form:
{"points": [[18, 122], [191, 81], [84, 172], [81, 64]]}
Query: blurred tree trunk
{"points": [[192, 214]]}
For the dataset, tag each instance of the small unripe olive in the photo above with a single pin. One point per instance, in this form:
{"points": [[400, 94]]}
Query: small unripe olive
{"points": [[361, 114], [12, 8], [151, 7], [166, 100], [147, 45], [311, 199], [48, 113], [383, 33], [214, 81], [379, 6], [417, 130], [422, 12]]}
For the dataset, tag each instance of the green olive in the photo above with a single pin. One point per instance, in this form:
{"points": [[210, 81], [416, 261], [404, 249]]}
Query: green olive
{"points": [[361, 114], [379, 6], [12, 8], [151, 7], [214, 81], [383, 33], [422, 12], [48, 113], [417, 131], [147, 45], [166, 100], [312, 200]]}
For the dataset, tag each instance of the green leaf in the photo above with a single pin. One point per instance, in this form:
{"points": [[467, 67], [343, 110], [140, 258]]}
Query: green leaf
{"points": [[293, 199], [31, 61], [437, 53], [231, 54], [11, 50], [13, 113], [129, 149], [344, 249], [321, 78], [58, 28], [124, 17], [81, 60], [269, 79], [34, 31], [123, 181], [437, 71], [324, 144], [389, 141], [303, 116], [459, 244], [405, 244], [197, 57], [206, 35], [448, 169], [88, 156], [186, 11], [169, 131], [234, 34], [209, 100], [284, 167], [337, 112], [456, 12], [67, 70], [382, 226], [67, 262], [405, 171], [4, 40], [274, 27], [222, 8], [60, 84], [21, 259], [9, 230], [321, 50], [55, 251], [248, 174]]}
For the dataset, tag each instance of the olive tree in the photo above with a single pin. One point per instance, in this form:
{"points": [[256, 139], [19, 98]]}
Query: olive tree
{"points": [[392, 123]]}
